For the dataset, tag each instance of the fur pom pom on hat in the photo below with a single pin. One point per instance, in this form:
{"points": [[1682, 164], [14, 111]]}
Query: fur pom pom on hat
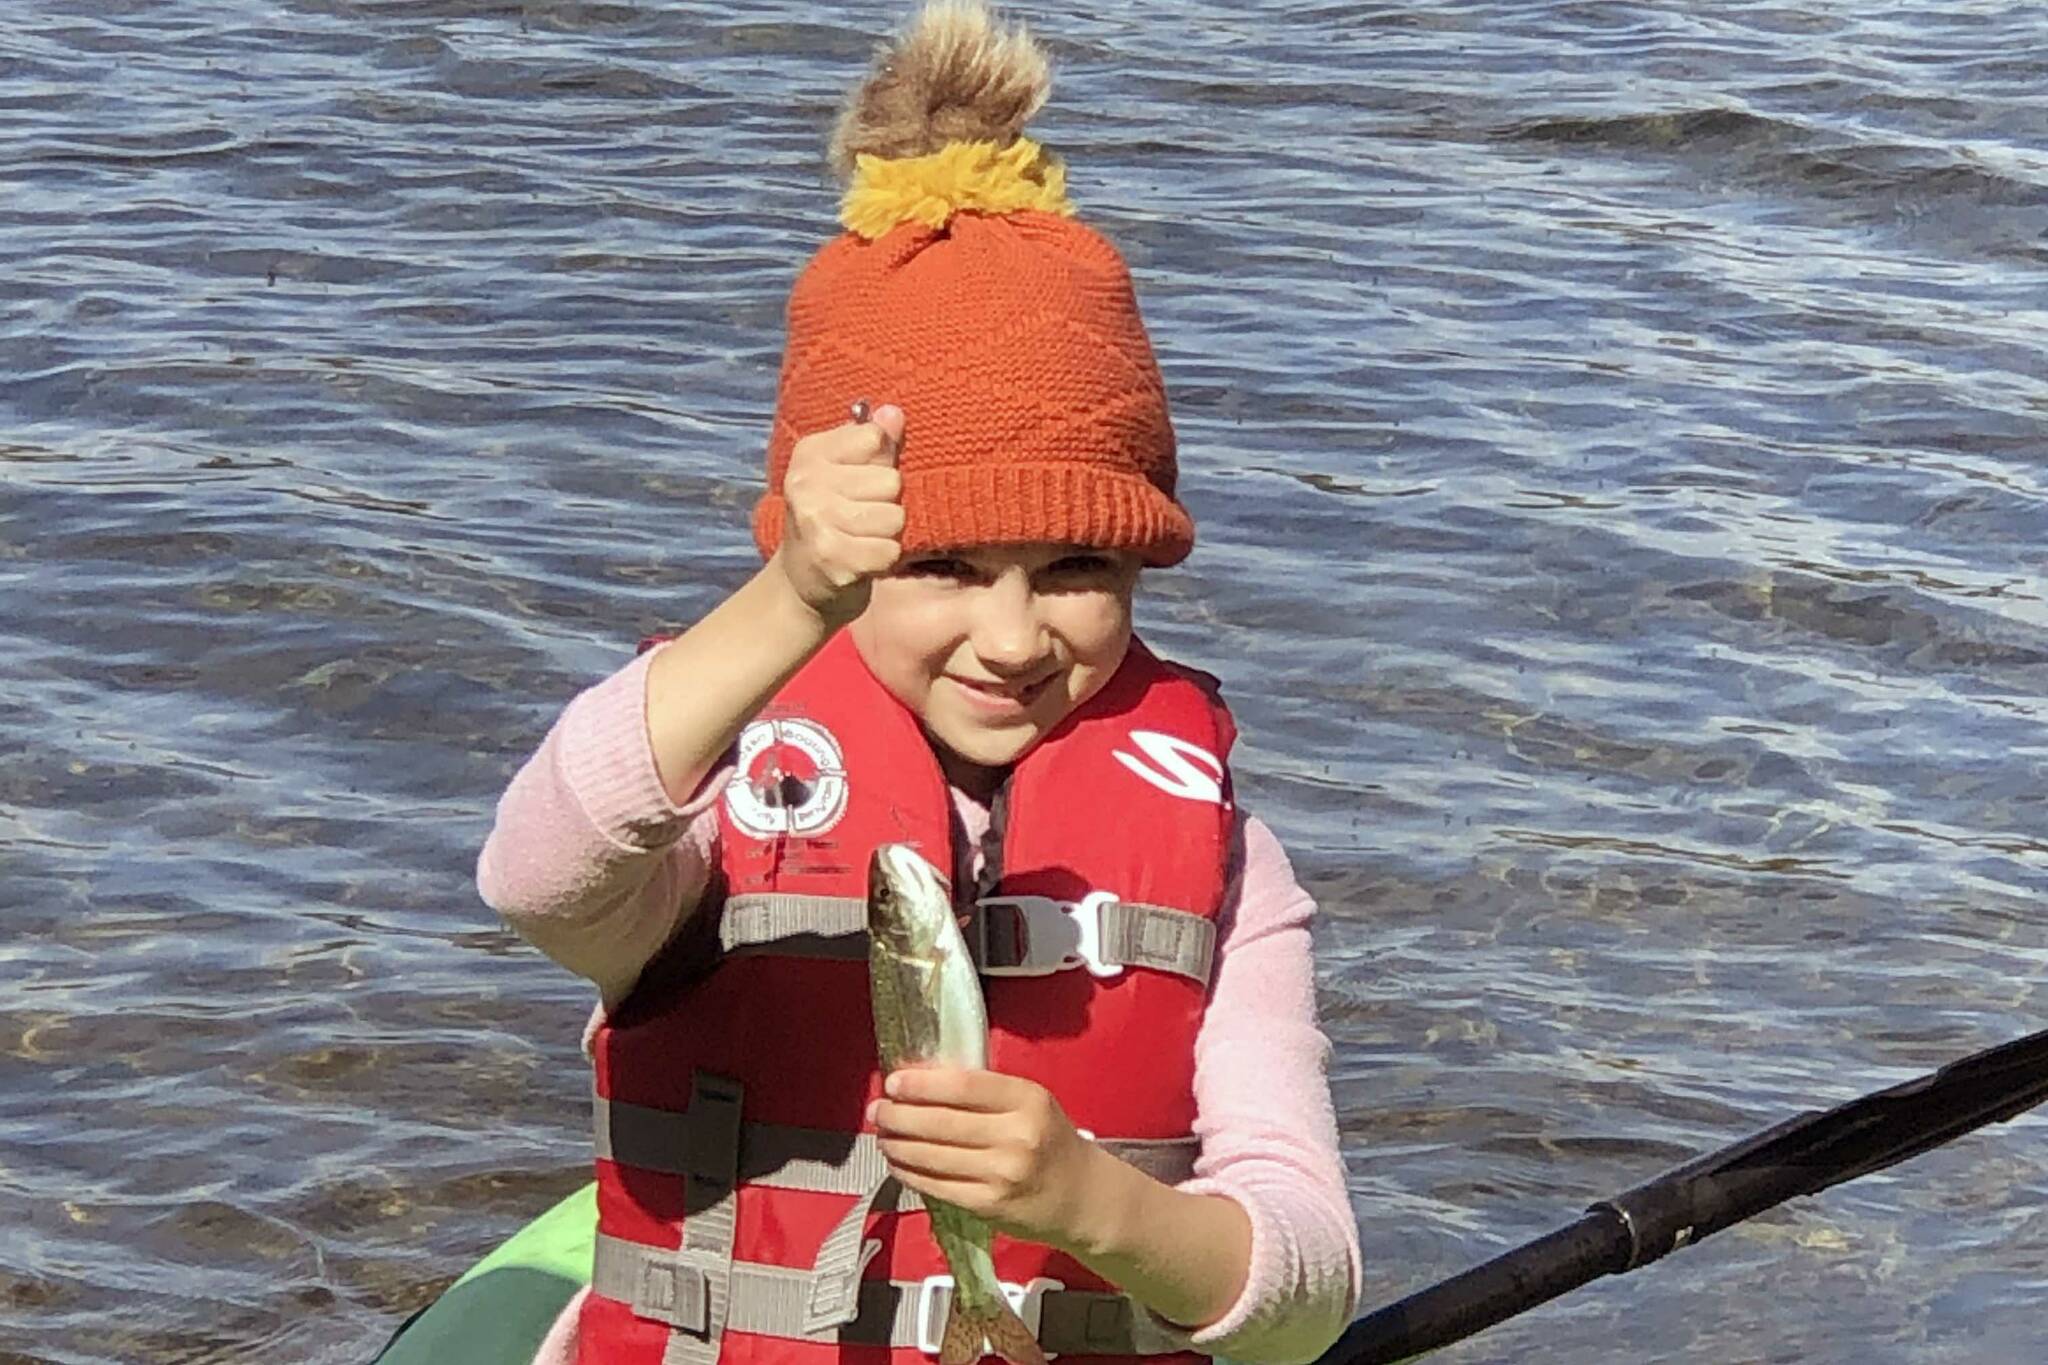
{"points": [[966, 292]]}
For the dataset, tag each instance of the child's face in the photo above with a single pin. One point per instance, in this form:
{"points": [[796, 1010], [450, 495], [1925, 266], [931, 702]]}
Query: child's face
{"points": [[992, 647]]}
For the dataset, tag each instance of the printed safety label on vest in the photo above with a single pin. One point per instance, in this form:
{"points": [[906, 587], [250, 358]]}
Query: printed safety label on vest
{"points": [[791, 779]]}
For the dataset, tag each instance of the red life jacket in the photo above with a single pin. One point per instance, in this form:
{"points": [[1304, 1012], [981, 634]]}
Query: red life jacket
{"points": [[729, 1104]]}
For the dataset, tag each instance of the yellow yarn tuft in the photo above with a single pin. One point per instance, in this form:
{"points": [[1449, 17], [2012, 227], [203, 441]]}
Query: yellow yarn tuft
{"points": [[930, 189]]}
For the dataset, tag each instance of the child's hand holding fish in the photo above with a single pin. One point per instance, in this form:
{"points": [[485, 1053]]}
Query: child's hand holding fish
{"points": [[999, 1147]]}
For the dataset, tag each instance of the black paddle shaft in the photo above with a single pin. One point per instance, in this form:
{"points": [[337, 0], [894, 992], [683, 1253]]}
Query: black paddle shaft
{"points": [[1802, 1155], [1513, 1282]]}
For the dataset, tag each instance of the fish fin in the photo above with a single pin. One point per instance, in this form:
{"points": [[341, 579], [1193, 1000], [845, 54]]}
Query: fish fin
{"points": [[1009, 1338]]}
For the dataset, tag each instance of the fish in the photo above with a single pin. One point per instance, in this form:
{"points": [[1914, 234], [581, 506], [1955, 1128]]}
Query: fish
{"points": [[928, 1009]]}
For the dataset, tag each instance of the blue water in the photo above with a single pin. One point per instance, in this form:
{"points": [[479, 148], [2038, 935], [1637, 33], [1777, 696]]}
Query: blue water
{"points": [[1619, 436]]}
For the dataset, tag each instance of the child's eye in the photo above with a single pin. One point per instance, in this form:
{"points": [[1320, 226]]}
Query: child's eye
{"points": [[936, 566]]}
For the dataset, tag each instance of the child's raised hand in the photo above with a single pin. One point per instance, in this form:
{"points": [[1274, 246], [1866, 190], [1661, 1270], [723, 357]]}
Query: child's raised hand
{"points": [[843, 514], [999, 1147]]}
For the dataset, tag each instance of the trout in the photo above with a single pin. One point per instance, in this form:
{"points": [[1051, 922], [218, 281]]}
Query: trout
{"points": [[928, 1008]]}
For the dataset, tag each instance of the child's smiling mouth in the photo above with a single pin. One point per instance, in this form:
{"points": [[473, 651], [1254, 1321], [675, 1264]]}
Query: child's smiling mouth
{"points": [[1000, 699]]}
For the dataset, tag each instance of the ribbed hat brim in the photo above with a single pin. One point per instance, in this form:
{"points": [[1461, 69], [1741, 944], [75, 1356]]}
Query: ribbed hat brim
{"points": [[1026, 502]]}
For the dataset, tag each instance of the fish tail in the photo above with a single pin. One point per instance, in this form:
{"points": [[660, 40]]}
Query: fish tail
{"points": [[966, 1330], [979, 1319], [996, 1325], [1009, 1338]]}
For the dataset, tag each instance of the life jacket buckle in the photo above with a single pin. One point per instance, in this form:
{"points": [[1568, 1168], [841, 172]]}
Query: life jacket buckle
{"points": [[935, 1298], [1053, 935]]}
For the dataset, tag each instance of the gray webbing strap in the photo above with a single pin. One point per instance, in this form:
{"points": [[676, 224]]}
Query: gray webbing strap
{"points": [[770, 1301], [1159, 937], [795, 926], [1132, 934], [834, 1297], [817, 1159], [690, 1289]]}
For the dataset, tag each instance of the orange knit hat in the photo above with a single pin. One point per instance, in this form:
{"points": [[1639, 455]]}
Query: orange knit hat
{"points": [[965, 292]]}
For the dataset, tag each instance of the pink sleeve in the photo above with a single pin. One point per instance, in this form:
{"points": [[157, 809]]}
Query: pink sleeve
{"points": [[1268, 1130], [558, 1347], [588, 859]]}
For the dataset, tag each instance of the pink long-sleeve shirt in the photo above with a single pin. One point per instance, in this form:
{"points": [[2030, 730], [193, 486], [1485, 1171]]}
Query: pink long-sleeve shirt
{"points": [[592, 863]]}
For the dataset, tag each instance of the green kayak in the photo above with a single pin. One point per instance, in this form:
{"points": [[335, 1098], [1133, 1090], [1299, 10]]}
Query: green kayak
{"points": [[499, 1311]]}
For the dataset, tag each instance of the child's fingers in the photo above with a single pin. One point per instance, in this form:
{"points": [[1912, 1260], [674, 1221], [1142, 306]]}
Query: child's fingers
{"points": [[964, 1194], [865, 556], [935, 1161], [891, 420], [871, 520], [873, 442], [818, 457], [932, 1123], [868, 483], [987, 1091]]}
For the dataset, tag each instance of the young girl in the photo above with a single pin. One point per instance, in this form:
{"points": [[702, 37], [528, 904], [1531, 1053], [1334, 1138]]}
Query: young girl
{"points": [[971, 461]]}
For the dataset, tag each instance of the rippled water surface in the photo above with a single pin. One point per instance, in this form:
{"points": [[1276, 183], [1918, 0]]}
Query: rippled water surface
{"points": [[1620, 438]]}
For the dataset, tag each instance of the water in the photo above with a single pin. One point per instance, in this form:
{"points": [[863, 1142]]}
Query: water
{"points": [[1617, 432]]}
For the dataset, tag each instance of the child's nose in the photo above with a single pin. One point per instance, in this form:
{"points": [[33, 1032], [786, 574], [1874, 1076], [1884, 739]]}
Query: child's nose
{"points": [[1009, 630]]}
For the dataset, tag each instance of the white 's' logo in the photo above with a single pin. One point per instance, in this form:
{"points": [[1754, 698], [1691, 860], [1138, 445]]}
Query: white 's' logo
{"points": [[791, 779], [1177, 767]]}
